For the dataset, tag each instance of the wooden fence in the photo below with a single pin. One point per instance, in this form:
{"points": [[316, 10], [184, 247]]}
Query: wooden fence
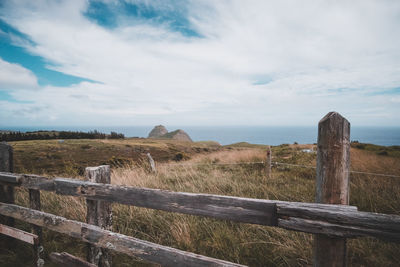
{"points": [[331, 219]]}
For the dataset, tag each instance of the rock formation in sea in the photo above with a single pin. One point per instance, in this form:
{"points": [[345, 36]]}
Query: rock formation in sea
{"points": [[157, 132], [179, 134], [160, 131]]}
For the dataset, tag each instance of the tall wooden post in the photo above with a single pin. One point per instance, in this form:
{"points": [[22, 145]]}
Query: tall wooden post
{"points": [[99, 213], [333, 165], [268, 163], [6, 191], [34, 203]]}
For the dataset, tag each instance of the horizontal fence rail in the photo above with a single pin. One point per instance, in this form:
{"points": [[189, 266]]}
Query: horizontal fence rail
{"points": [[341, 223], [19, 234], [92, 234], [333, 220]]}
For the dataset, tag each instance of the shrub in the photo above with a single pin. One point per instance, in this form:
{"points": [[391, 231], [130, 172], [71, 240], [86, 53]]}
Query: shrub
{"points": [[383, 153]]}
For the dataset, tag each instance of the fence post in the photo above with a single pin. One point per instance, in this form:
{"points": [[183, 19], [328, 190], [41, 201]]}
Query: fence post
{"points": [[333, 164], [99, 213], [6, 191], [34, 203], [268, 162], [152, 164]]}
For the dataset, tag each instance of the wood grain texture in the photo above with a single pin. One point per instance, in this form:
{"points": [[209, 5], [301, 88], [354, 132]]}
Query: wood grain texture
{"points": [[37, 182], [99, 213], [332, 185], [248, 210], [221, 207], [6, 158], [19, 234], [336, 230], [386, 222], [7, 178], [6, 191], [333, 160], [166, 256], [34, 203], [67, 260]]}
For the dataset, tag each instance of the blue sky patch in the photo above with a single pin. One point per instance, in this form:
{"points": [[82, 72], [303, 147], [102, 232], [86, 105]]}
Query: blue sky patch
{"points": [[102, 14], [13, 53], [262, 80], [5, 96], [392, 91], [112, 14]]}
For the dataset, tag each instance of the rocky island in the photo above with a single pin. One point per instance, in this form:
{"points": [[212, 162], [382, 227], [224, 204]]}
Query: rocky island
{"points": [[160, 131]]}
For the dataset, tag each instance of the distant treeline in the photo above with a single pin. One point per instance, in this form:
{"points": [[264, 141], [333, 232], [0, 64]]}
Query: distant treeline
{"points": [[47, 135]]}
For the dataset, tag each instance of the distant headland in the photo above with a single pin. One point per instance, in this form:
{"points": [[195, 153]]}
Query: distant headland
{"points": [[160, 131]]}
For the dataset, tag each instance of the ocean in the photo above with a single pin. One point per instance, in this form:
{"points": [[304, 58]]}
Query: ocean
{"points": [[269, 135]]}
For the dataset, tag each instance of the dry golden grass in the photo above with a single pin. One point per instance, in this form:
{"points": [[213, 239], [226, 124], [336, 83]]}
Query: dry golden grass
{"points": [[366, 161], [242, 155], [247, 244], [257, 245]]}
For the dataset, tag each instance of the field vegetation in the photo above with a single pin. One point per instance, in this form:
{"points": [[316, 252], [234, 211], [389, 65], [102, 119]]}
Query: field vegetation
{"points": [[207, 168]]}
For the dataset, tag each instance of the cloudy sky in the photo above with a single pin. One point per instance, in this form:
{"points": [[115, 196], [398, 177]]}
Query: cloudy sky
{"points": [[117, 63]]}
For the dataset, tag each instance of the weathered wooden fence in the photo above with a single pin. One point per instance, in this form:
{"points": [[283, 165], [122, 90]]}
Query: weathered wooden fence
{"points": [[330, 219]]}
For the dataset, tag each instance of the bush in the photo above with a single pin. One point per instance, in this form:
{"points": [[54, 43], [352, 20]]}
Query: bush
{"points": [[178, 157], [360, 146], [86, 146], [383, 153]]}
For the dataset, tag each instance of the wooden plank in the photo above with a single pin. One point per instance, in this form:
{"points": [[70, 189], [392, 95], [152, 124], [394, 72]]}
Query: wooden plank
{"points": [[221, 207], [34, 203], [67, 260], [249, 210], [333, 166], [6, 191], [287, 206], [9, 179], [260, 209], [19, 234], [371, 220], [336, 230], [31, 181], [37, 182], [99, 213], [6, 158], [152, 252]]}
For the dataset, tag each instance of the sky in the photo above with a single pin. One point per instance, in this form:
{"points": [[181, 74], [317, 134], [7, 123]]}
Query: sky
{"points": [[206, 63]]}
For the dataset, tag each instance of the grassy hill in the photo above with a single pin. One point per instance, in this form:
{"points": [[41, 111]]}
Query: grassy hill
{"points": [[247, 244], [70, 157]]}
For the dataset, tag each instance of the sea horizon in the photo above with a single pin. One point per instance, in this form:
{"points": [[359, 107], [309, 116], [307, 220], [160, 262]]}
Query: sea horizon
{"points": [[225, 135]]}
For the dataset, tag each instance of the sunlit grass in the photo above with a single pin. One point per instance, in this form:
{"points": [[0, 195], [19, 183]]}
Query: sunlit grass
{"points": [[243, 243]]}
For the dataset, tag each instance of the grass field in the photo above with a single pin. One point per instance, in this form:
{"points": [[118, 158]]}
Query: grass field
{"points": [[243, 243], [70, 157]]}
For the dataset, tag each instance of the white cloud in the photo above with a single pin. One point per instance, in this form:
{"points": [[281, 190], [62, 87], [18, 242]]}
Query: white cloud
{"points": [[317, 56], [16, 77]]}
